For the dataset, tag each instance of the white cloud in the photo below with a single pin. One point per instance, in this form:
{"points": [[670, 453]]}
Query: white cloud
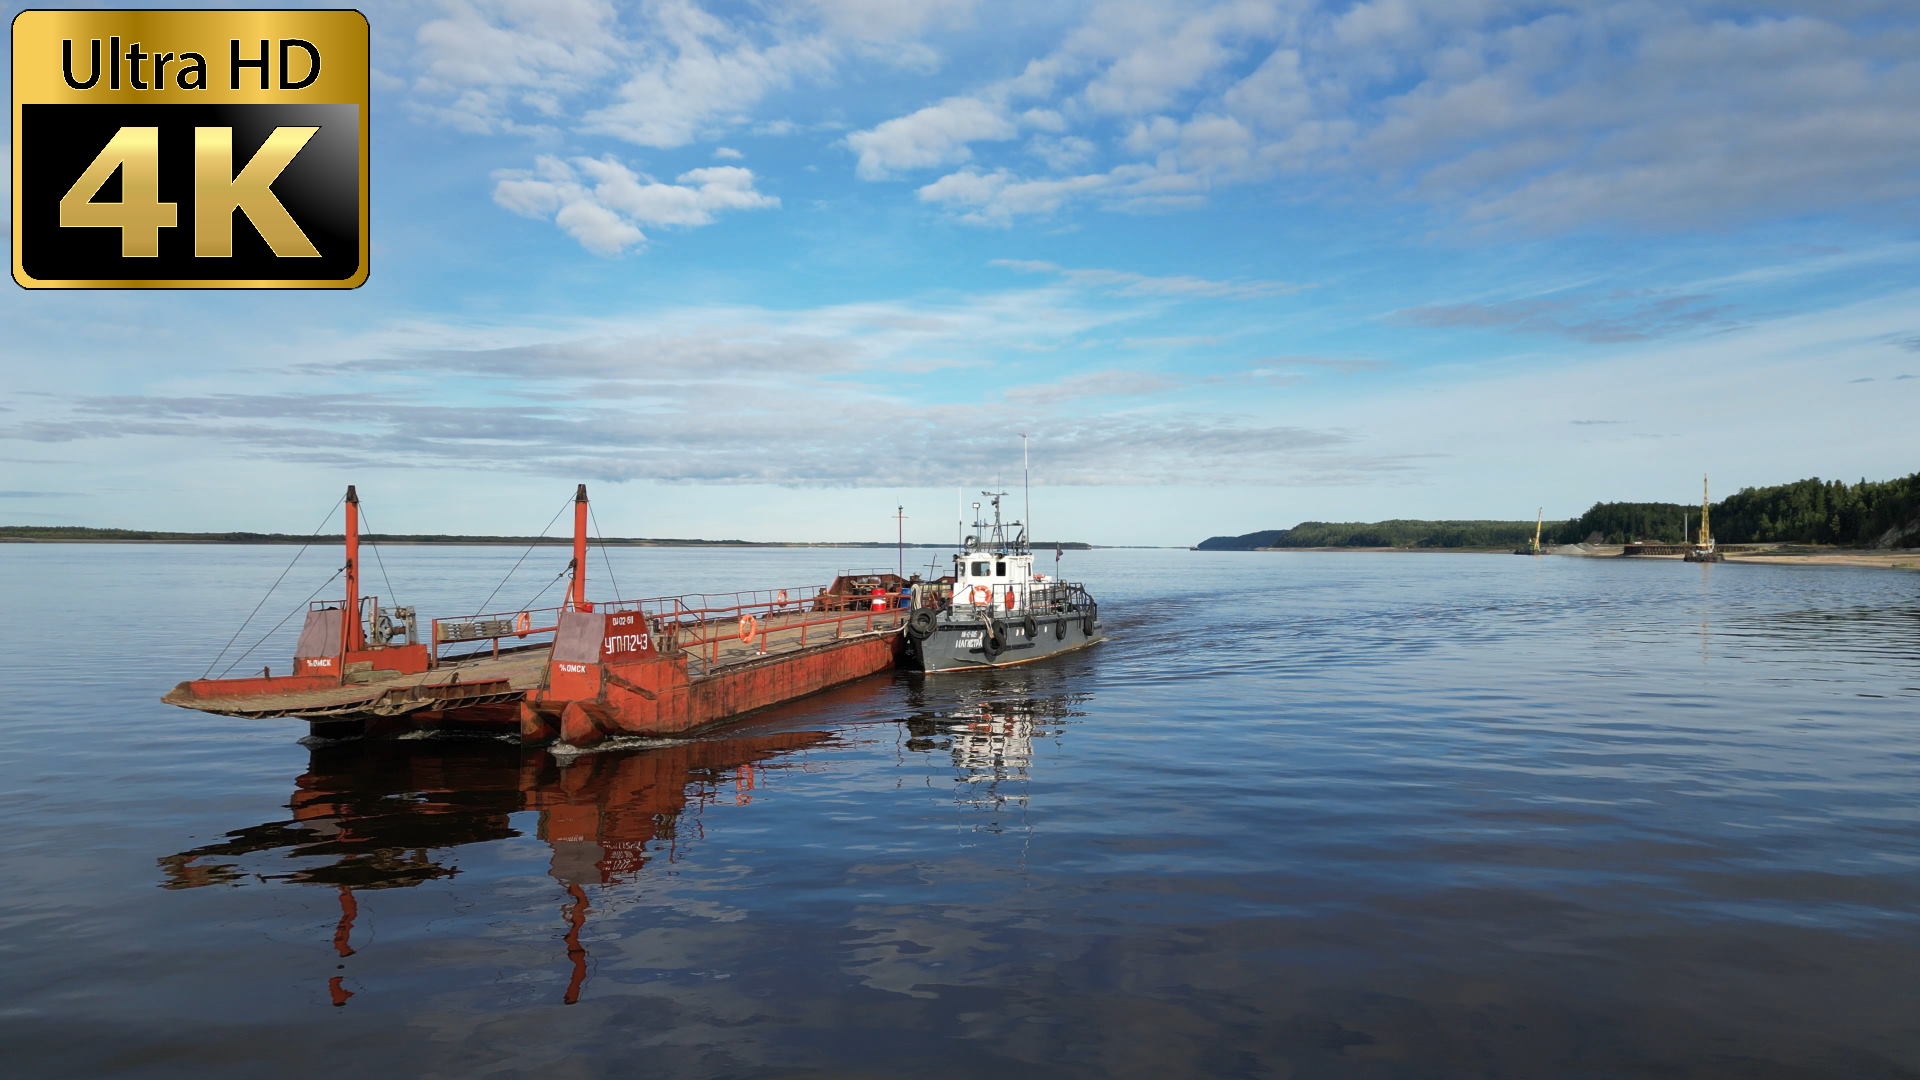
{"points": [[1275, 95], [728, 153], [891, 20], [1610, 113], [996, 198], [1093, 384], [602, 203], [695, 71], [661, 75], [1165, 64], [1044, 120], [1129, 283], [488, 56], [1062, 154], [935, 135]]}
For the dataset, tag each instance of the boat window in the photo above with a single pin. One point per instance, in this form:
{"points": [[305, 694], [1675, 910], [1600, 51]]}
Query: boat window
{"points": [[980, 569], [1000, 568]]}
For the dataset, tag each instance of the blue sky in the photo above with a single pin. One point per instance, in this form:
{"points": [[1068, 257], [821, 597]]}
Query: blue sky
{"points": [[769, 270]]}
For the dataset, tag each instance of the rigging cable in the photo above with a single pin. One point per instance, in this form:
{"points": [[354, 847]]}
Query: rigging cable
{"points": [[523, 607], [603, 552], [528, 606], [269, 593], [392, 597], [282, 622], [481, 610]]}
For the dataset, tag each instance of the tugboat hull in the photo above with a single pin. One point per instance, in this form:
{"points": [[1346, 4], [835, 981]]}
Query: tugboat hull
{"points": [[970, 644]]}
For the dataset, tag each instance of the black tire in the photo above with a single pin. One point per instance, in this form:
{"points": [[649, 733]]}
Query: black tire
{"points": [[921, 624], [1086, 621], [993, 639], [1059, 629], [1031, 626]]}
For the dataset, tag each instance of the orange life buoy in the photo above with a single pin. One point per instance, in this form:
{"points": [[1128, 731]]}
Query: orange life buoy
{"points": [[748, 624], [780, 597], [522, 624], [981, 595]]}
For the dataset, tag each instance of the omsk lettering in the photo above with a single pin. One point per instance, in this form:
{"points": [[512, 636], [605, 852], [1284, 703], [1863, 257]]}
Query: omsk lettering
{"points": [[620, 643], [572, 669], [320, 661], [143, 70]]}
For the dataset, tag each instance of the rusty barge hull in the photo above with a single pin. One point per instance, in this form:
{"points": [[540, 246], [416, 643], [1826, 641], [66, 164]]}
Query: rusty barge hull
{"points": [[624, 673]]}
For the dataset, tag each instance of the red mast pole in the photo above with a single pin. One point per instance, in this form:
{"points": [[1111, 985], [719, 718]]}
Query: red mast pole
{"points": [[350, 613], [579, 597]]}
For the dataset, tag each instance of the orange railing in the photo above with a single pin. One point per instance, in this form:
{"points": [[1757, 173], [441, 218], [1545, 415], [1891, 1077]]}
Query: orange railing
{"points": [[701, 623], [530, 628], [696, 622]]}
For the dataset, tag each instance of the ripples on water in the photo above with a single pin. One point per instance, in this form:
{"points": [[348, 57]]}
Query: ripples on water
{"points": [[1305, 815]]}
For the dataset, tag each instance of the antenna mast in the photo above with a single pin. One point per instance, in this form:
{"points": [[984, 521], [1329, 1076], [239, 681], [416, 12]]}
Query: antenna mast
{"points": [[900, 540], [1026, 492]]}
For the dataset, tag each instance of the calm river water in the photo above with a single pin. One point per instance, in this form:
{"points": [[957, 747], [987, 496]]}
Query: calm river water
{"points": [[1304, 815]]}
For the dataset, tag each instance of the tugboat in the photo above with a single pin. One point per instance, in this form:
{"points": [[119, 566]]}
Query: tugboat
{"points": [[999, 612]]}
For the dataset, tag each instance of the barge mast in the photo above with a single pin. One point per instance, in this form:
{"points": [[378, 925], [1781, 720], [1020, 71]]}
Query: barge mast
{"points": [[350, 638], [577, 595]]}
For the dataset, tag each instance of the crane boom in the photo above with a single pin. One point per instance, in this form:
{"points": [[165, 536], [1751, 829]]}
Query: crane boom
{"points": [[1706, 535]]}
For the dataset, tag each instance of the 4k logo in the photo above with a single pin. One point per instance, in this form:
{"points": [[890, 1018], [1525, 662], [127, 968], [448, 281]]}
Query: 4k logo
{"points": [[190, 149]]}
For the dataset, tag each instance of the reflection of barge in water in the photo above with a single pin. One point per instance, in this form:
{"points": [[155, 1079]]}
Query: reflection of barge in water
{"points": [[581, 672], [381, 816]]}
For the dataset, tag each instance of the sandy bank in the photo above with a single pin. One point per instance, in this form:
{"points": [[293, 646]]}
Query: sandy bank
{"points": [[1902, 559]]}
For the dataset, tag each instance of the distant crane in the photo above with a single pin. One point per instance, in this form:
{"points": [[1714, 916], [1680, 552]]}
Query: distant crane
{"points": [[1533, 546], [1703, 550]]}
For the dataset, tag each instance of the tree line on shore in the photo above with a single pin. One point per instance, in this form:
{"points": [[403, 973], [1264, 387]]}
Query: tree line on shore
{"points": [[56, 533], [1883, 513]]}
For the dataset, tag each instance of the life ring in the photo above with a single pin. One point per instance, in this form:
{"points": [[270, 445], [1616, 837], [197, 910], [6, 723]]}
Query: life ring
{"points": [[921, 624], [522, 624], [780, 597], [981, 595], [748, 624]]}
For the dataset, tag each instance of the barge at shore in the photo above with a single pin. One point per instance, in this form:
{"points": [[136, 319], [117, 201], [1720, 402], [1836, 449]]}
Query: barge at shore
{"points": [[580, 672]]}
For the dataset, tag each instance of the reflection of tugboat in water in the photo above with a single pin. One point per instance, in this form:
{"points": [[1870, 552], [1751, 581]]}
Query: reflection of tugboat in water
{"points": [[991, 741], [999, 612]]}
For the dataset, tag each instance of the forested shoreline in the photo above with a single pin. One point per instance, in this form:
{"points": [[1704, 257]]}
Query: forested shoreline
{"points": [[86, 534], [1868, 514]]}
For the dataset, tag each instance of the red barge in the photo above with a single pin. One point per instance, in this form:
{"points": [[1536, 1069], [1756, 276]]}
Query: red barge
{"points": [[580, 672]]}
